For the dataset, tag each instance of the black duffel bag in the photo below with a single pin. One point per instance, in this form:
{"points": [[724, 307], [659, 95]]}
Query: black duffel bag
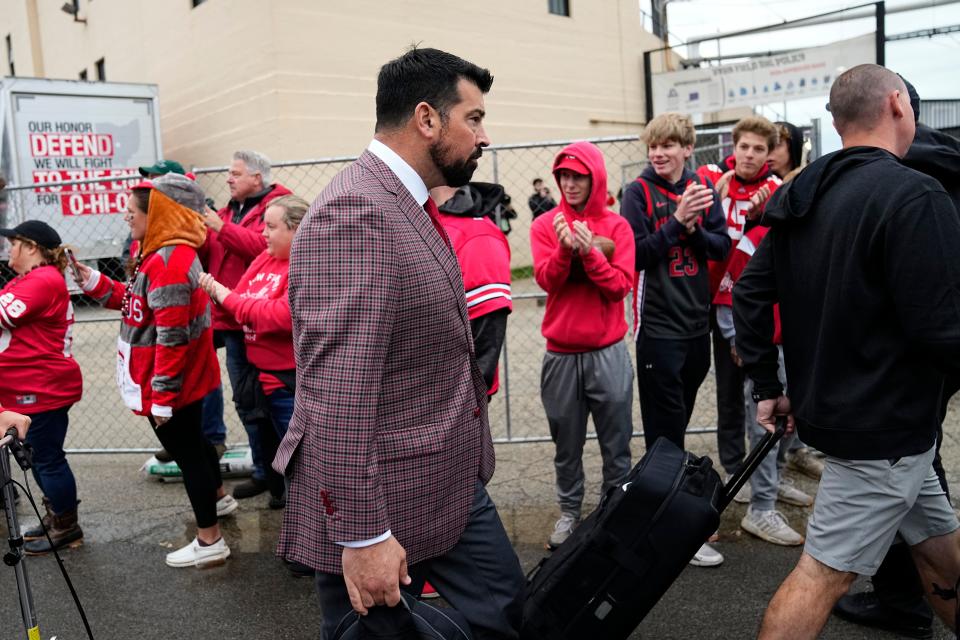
{"points": [[409, 620]]}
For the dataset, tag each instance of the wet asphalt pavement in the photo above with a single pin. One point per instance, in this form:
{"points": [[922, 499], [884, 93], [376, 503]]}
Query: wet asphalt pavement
{"points": [[128, 592]]}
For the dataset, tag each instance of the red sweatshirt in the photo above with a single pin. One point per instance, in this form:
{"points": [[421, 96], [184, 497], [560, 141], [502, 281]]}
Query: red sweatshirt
{"points": [[37, 369], [735, 206], [259, 302], [227, 254], [585, 293], [165, 355]]}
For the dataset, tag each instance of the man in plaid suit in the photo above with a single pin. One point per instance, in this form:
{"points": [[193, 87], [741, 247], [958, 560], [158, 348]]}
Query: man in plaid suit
{"points": [[389, 447]]}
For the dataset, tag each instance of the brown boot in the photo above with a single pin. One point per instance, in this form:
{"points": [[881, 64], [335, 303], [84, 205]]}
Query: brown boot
{"points": [[35, 533], [64, 531]]}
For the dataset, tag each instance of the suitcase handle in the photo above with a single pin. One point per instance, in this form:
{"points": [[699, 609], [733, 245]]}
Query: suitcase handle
{"points": [[751, 463]]}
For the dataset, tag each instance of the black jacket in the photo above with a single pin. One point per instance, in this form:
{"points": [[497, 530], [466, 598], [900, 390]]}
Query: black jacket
{"points": [[936, 154], [861, 257], [675, 298]]}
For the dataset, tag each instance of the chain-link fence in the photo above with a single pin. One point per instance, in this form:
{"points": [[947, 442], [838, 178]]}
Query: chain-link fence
{"points": [[101, 423]]}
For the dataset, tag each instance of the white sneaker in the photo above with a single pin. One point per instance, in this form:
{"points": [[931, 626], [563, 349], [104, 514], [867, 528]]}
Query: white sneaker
{"points": [[707, 556], [226, 505], [193, 555], [788, 493], [743, 496], [804, 461], [562, 530], [770, 526]]}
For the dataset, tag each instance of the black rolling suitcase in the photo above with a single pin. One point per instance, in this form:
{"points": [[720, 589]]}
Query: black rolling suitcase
{"points": [[619, 562]]}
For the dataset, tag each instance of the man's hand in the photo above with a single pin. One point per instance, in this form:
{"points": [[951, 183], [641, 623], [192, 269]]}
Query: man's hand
{"points": [[757, 201], [159, 421], [373, 574], [723, 184], [211, 219], [694, 200], [18, 421], [582, 237], [768, 410], [564, 237]]}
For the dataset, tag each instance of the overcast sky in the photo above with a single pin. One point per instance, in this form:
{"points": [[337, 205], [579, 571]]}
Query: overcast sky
{"points": [[931, 64]]}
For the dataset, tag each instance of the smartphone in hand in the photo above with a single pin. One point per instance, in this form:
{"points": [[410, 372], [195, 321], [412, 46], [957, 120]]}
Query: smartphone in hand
{"points": [[74, 269]]}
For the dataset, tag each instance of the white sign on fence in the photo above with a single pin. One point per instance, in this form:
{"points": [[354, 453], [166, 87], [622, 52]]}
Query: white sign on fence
{"points": [[800, 74]]}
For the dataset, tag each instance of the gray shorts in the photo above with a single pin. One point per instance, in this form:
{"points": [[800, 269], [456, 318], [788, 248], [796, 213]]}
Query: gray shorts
{"points": [[862, 505]]}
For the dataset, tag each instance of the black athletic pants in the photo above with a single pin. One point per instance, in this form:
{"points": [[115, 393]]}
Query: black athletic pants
{"points": [[669, 373], [182, 436], [730, 411]]}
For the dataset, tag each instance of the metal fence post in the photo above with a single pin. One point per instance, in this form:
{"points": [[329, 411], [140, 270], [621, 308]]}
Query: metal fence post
{"points": [[506, 354]]}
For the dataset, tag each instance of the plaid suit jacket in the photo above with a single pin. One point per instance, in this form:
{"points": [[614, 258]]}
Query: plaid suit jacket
{"points": [[390, 426]]}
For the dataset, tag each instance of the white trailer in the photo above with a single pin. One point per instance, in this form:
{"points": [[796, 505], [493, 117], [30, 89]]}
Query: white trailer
{"points": [[69, 152]]}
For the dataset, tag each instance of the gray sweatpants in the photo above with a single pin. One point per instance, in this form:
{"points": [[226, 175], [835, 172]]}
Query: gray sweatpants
{"points": [[573, 386]]}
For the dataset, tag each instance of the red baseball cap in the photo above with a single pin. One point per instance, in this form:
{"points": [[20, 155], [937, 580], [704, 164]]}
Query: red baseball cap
{"points": [[573, 163]]}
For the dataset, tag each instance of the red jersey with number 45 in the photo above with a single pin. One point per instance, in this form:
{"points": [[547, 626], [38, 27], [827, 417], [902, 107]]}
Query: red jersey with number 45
{"points": [[735, 206], [37, 368]]}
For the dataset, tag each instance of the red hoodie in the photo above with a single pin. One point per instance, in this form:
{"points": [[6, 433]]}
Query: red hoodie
{"points": [[227, 254], [260, 303], [585, 302]]}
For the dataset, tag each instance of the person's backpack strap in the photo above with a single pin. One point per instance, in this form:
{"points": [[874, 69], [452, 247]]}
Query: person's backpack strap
{"points": [[647, 195]]}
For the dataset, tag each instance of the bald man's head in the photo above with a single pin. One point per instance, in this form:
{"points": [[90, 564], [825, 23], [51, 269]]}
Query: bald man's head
{"points": [[859, 97]]}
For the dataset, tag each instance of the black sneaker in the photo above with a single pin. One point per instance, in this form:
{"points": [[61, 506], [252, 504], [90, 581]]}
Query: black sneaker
{"points": [[163, 456], [865, 608], [250, 488]]}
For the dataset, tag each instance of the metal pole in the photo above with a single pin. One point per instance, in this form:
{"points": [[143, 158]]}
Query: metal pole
{"points": [[815, 135], [14, 557], [648, 85], [506, 355], [881, 35]]}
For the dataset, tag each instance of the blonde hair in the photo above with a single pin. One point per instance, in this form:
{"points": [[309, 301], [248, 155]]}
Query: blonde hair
{"points": [[294, 208], [760, 126], [668, 127]]}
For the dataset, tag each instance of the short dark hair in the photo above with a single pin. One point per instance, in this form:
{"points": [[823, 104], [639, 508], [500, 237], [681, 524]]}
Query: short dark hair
{"points": [[536, 180], [857, 95], [423, 75]]}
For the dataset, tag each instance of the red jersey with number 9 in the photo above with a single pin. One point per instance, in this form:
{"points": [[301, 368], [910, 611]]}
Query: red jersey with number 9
{"points": [[37, 369]]}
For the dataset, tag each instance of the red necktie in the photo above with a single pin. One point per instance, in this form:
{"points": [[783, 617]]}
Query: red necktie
{"points": [[431, 208]]}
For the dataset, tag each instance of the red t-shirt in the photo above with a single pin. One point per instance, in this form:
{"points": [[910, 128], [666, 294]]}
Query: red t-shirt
{"points": [[37, 367]]}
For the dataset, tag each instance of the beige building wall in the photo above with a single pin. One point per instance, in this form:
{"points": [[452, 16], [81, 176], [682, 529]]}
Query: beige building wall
{"points": [[297, 78]]}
